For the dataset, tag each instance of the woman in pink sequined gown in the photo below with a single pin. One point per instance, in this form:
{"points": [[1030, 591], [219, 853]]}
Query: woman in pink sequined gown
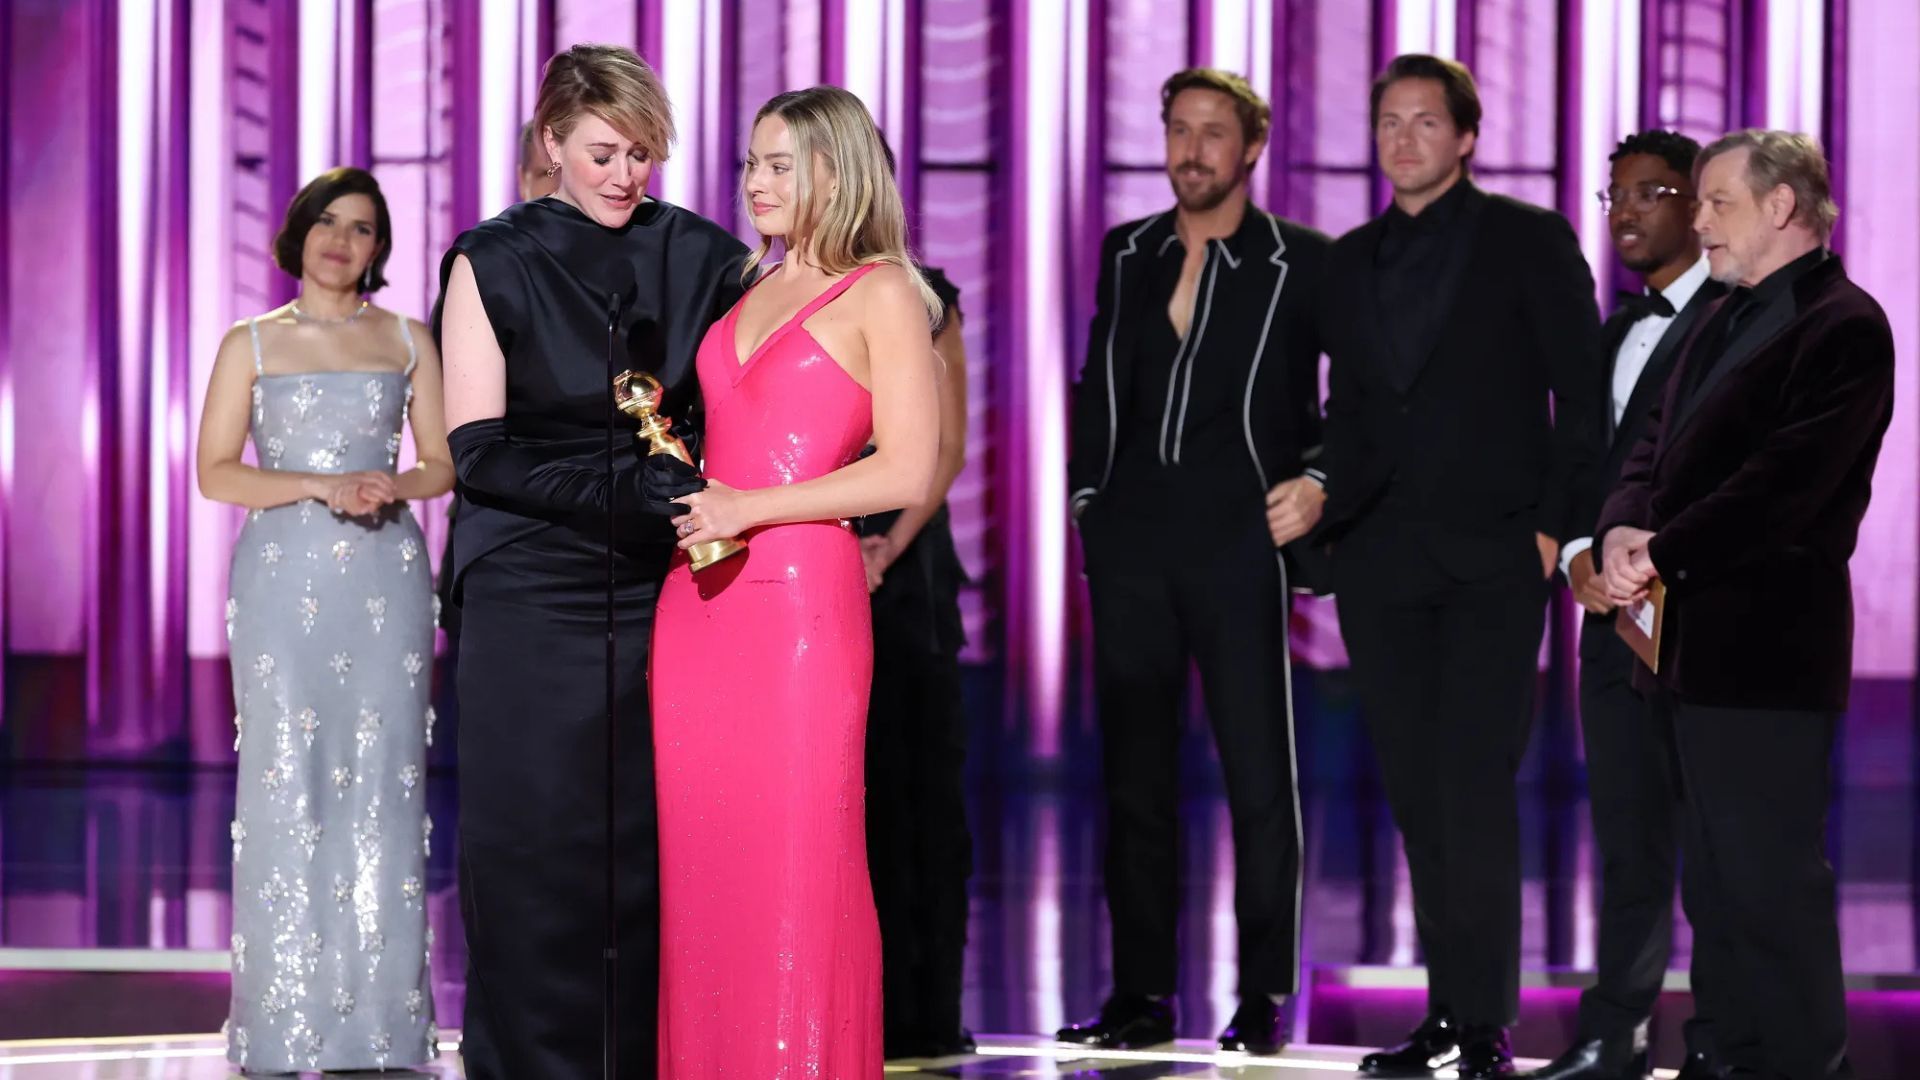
{"points": [[769, 948]]}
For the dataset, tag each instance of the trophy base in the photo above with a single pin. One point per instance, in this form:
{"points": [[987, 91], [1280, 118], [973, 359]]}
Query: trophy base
{"points": [[713, 551]]}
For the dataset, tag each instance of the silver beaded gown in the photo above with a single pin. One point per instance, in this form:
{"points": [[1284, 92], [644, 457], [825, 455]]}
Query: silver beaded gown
{"points": [[330, 622]]}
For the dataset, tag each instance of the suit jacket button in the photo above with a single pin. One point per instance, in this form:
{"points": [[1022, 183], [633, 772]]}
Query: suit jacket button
{"points": [[1681, 576]]}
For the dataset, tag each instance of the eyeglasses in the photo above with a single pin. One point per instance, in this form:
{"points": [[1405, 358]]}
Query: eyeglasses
{"points": [[1643, 198]]}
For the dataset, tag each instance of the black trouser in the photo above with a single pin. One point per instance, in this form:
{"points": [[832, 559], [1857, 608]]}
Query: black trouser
{"points": [[1161, 596], [918, 849], [1633, 794], [1444, 654], [1757, 787]]}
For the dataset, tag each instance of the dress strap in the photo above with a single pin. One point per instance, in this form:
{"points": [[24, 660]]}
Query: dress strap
{"points": [[833, 291], [406, 335], [253, 329]]}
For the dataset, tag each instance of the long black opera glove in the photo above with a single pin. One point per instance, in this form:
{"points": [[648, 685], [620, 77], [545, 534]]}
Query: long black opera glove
{"points": [[566, 480]]}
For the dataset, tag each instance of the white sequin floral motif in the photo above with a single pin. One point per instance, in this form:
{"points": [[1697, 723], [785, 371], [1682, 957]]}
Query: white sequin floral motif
{"points": [[305, 397], [329, 454]]}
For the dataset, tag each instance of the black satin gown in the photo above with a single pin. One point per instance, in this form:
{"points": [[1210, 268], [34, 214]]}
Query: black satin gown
{"points": [[528, 568]]}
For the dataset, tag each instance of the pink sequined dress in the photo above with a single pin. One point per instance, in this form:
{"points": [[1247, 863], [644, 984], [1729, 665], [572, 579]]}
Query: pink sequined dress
{"points": [[769, 947]]}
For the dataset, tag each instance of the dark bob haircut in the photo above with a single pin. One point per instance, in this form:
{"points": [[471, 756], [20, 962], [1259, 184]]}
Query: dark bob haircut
{"points": [[313, 200]]}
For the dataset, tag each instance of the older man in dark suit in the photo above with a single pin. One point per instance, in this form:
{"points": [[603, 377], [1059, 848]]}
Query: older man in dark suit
{"points": [[1745, 498]]}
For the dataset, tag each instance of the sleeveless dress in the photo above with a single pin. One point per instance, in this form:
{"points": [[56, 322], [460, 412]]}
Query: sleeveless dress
{"points": [[330, 626], [769, 946], [528, 560]]}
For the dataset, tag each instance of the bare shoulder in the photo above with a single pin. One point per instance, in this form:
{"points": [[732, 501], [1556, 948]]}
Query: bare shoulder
{"points": [[887, 284]]}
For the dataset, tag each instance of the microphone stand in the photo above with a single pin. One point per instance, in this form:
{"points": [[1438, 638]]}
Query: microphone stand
{"points": [[610, 949]]}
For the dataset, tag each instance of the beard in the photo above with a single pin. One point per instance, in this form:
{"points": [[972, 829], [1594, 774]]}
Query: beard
{"points": [[1198, 192]]}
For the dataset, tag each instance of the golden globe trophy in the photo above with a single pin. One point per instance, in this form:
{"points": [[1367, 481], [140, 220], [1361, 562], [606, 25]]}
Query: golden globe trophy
{"points": [[638, 395]]}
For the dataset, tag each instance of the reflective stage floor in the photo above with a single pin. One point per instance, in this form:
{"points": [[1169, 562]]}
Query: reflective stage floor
{"points": [[200, 1058], [114, 905]]}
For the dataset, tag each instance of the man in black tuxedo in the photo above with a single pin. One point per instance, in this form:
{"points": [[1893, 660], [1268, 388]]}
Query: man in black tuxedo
{"points": [[1465, 369], [1633, 778], [1744, 498], [1200, 404]]}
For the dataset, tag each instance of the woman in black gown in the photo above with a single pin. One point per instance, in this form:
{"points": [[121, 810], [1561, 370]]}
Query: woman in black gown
{"points": [[525, 328]]}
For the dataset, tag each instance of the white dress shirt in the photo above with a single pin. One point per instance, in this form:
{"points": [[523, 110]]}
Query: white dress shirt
{"points": [[1628, 363]]}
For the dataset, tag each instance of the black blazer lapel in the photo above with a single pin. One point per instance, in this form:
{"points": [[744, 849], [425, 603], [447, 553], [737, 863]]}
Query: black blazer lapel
{"points": [[1653, 378], [1769, 321], [1367, 296], [1613, 334]]}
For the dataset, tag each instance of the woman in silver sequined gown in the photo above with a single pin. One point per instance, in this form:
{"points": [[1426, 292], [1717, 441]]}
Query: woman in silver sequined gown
{"points": [[330, 622]]}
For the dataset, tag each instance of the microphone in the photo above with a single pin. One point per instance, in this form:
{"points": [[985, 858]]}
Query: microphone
{"points": [[624, 287]]}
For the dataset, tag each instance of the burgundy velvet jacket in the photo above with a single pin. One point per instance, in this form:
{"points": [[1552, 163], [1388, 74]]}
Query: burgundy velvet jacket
{"points": [[1754, 485]]}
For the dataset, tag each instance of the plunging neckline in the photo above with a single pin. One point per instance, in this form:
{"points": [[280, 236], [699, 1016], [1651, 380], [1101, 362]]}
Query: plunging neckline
{"points": [[801, 314]]}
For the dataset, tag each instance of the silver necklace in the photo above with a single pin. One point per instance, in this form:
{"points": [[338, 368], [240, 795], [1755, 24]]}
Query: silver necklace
{"points": [[304, 317]]}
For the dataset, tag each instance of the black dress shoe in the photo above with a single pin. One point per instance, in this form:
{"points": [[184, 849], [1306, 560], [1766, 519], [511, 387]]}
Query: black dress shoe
{"points": [[1485, 1052], [1596, 1059], [1701, 1066], [1259, 1026], [1125, 1021], [1433, 1045]]}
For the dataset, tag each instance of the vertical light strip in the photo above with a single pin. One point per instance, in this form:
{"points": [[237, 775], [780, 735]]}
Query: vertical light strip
{"points": [[715, 154], [1446, 38], [1231, 46], [319, 80], [802, 23], [1259, 71], [119, 539], [1812, 43], [679, 64], [1049, 991], [349, 90], [499, 122], [210, 312], [1425, 26], [1626, 76], [892, 116], [1796, 38], [864, 37], [1041, 409], [136, 145], [1603, 53], [531, 64]]}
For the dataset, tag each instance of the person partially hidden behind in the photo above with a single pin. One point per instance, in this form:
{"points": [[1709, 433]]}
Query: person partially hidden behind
{"points": [[1633, 780]]}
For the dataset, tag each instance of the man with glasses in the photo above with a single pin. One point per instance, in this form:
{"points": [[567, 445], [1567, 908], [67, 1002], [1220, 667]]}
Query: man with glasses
{"points": [[1632, 772]]}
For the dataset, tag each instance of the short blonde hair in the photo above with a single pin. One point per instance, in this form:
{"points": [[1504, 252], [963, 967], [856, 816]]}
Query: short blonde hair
{"points": [[613, 83], [1783, 157], [864, 221]]}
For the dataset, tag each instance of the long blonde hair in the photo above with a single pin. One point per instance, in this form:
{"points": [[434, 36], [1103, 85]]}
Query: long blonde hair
{"points": [[862, 222]]}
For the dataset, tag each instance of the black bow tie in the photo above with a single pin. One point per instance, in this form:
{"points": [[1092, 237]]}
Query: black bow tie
{"points": [[1640, 305]]}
